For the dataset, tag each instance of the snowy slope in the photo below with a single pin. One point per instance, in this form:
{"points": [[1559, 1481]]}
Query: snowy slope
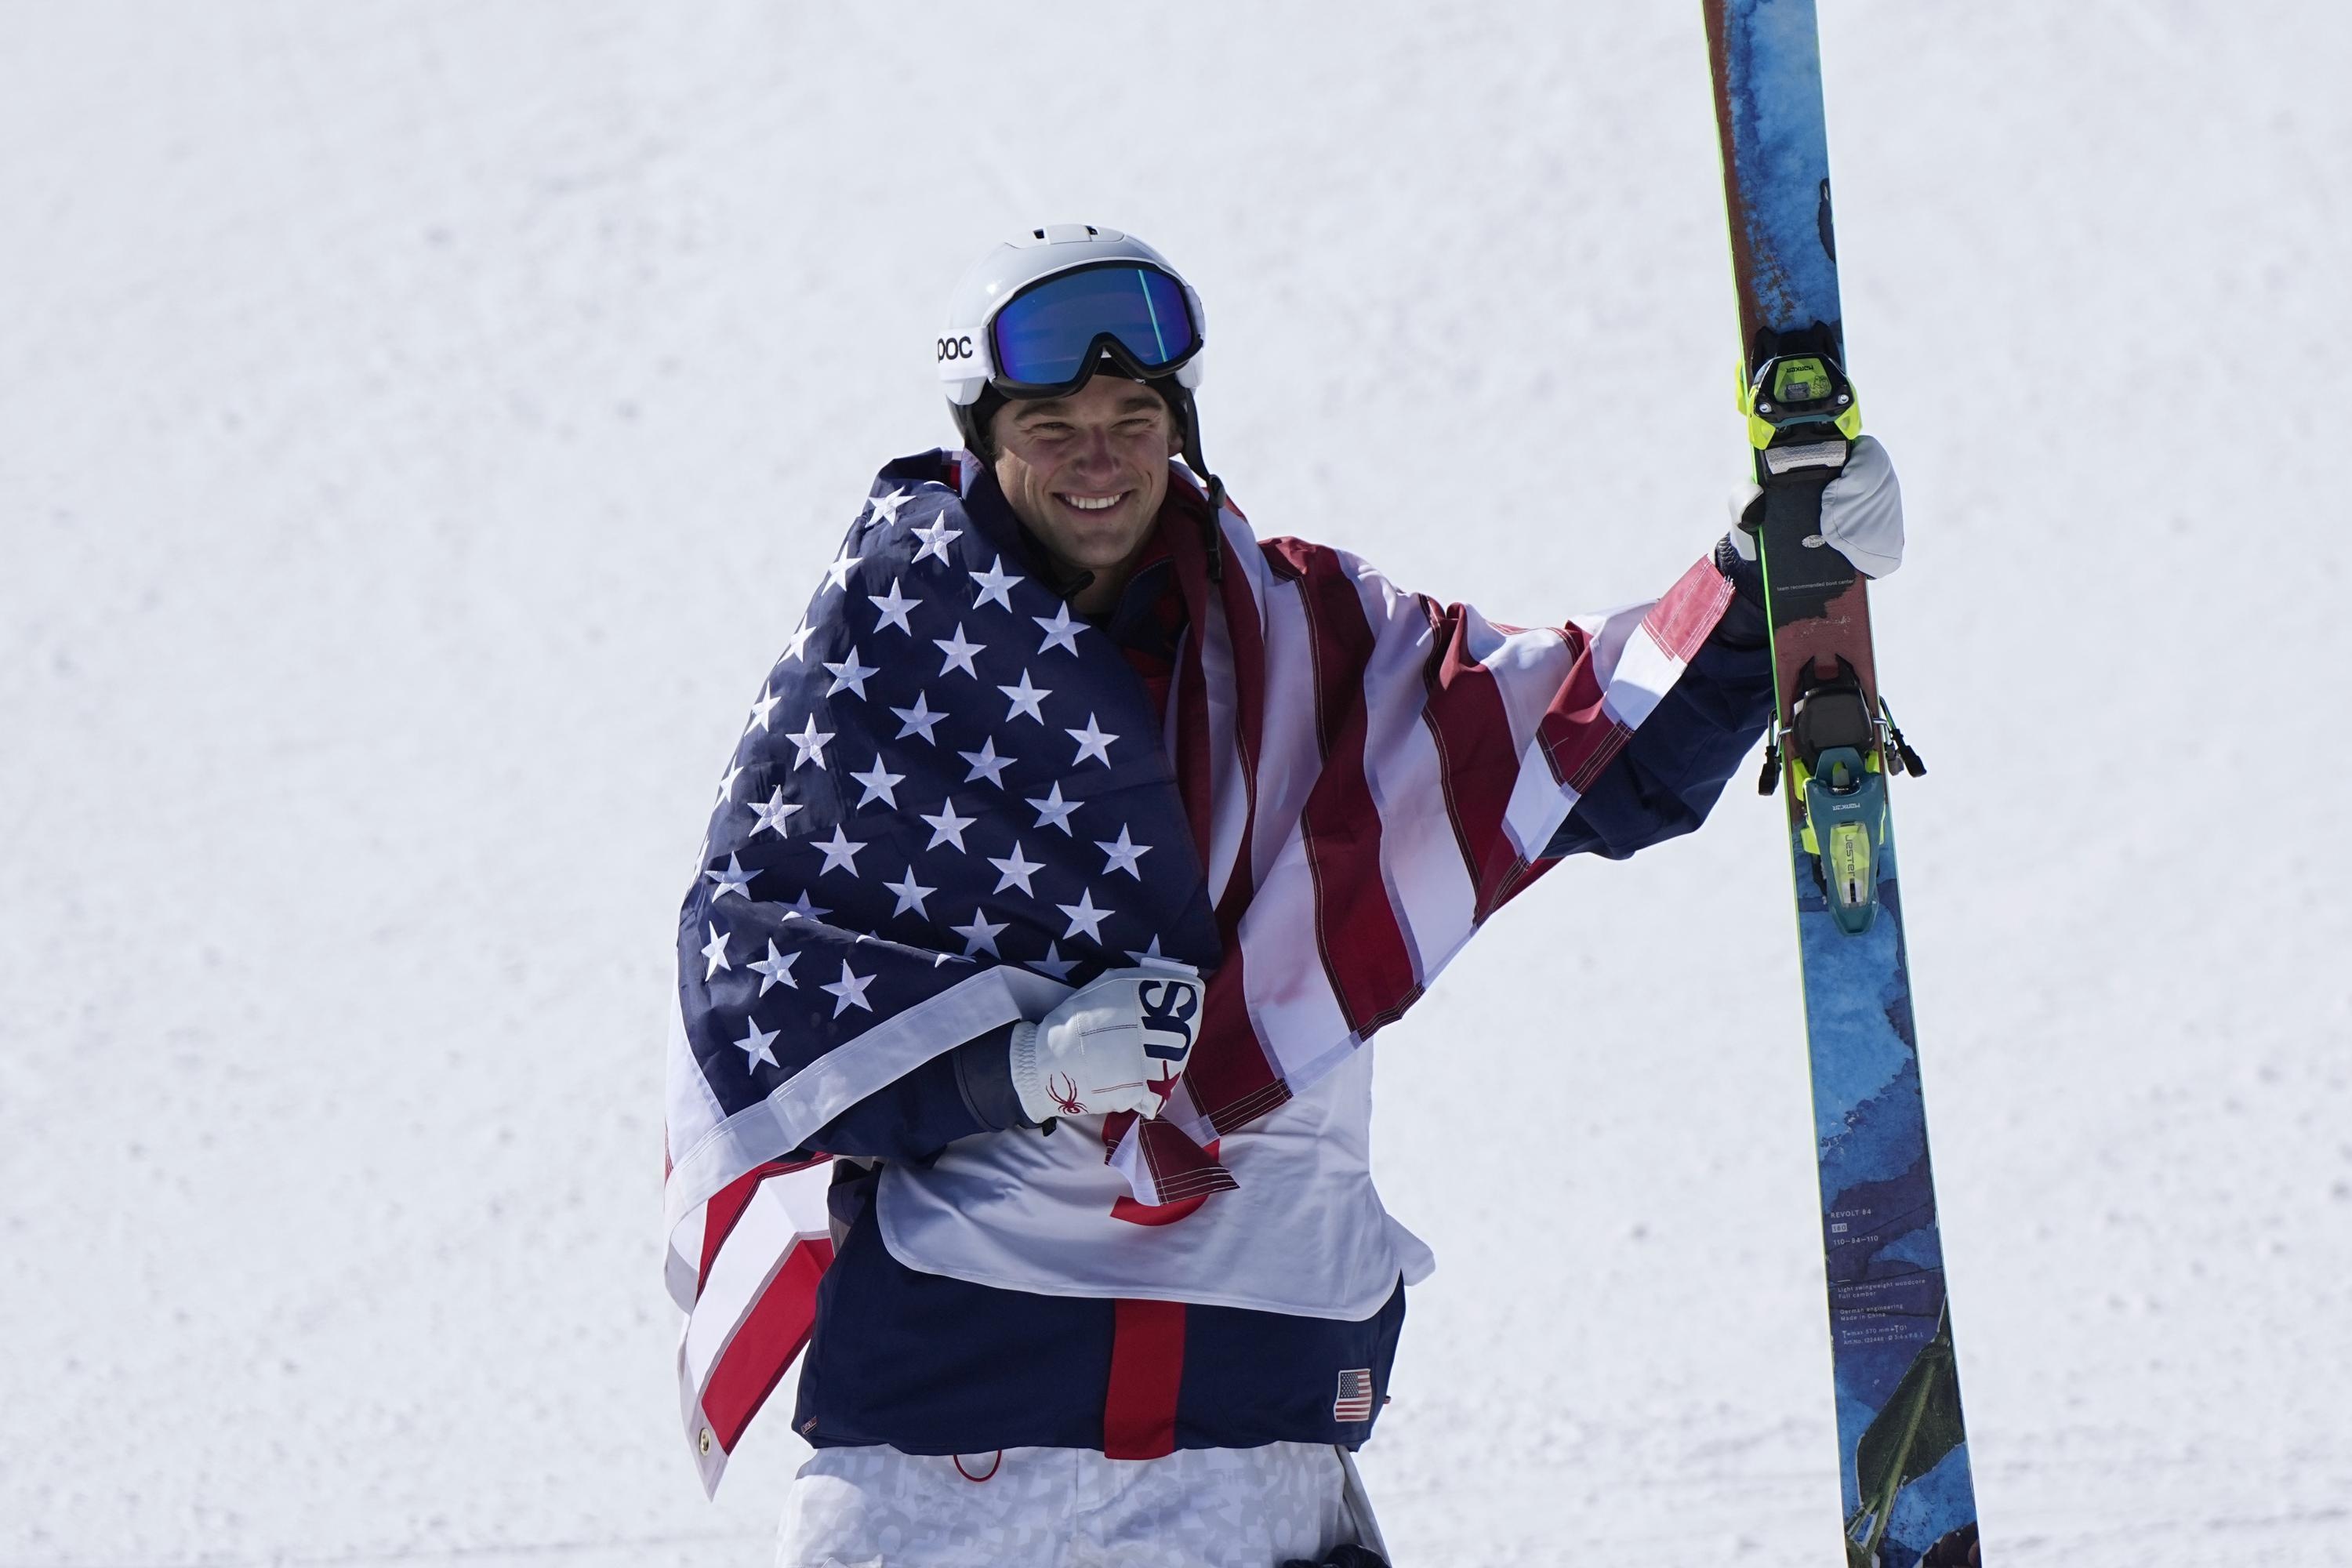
{"points": [[419, 425]]}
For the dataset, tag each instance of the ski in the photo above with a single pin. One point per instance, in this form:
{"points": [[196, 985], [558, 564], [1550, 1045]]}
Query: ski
{"points": [[1902, 1448]]}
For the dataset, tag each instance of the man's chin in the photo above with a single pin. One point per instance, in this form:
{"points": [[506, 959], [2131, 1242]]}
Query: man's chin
{"points": [[1101, 554]]}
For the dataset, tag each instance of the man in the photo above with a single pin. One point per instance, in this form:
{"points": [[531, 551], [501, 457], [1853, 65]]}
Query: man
{"points": [[1076, 848]]}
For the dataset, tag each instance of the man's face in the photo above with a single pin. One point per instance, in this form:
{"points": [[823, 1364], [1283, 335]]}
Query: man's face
{"points": [[1087, 473]]}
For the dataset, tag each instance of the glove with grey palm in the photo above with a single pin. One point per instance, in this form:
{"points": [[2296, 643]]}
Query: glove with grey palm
{"points": [[1862, 512], [1115, 1045]]}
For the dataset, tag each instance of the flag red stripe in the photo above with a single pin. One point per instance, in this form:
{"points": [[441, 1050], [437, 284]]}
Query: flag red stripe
{"points": [[755, 1360], [1356, 927], [1188, 512], [719, 1216], [727, 1205], [1576, 729], [1682, 620], [1248, 642], [1179, 1167], [1237, 1114], [1186, 1184], [1229, 1068], [1580, 746], [1147, 1370], [1477, 763], [1194, 765], [1580, 737]]}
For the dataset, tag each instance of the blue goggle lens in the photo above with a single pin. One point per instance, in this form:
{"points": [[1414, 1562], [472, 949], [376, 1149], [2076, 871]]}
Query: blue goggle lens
{"points": [[1046, 334]]}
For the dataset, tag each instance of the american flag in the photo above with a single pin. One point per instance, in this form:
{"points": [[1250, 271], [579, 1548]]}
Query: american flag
{"points": [[953, 802], [1355, 1398]]}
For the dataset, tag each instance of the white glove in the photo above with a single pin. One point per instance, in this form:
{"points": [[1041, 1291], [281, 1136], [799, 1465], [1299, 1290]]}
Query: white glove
{"points": [[1861, 511], [1117, 1045]]}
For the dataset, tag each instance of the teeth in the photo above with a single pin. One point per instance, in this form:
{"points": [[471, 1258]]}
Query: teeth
{"points": [[1092, 503]]}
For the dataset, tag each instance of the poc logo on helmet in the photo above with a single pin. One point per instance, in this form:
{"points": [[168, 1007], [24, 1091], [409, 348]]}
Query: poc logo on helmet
{"points": [[955, 349], [1171, 1011]]}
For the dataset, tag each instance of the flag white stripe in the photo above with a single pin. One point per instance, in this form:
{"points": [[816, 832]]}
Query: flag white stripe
{"points": [[822, 1090], [1608, 632], [1429, 886], [1242, 550], [681, 1265], [785, 1208], [1228, 783], [1635, 673], [1230, 793], [1290, 752], [692, 1112], [1291, 1005], [1284, 988], [1539, 804], [1528, 666], [1645, 672]]}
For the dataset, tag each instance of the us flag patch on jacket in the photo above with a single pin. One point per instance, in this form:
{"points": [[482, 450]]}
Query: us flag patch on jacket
{"points": [[1355, 1401]]}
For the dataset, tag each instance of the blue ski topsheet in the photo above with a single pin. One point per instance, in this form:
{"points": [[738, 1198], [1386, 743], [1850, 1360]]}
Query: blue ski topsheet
{"points": [[1901, 1449], [1885, 1260], [1778, 146]]}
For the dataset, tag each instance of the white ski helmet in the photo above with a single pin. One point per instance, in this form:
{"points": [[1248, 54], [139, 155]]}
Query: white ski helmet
{"points": [[1121, 301]]}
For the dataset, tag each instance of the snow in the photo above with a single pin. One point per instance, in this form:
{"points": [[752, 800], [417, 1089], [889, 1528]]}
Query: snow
{"points": [[422, 422]]}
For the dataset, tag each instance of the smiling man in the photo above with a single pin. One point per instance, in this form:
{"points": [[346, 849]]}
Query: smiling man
{"points": [[1086, 474], [1075, 849]]}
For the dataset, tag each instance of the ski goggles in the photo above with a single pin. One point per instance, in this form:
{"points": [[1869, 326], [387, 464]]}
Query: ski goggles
{"points": [[1043, 341]]}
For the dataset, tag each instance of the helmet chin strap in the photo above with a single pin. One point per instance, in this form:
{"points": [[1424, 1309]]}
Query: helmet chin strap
{"points": [[1212, 533], [1189, 417]]}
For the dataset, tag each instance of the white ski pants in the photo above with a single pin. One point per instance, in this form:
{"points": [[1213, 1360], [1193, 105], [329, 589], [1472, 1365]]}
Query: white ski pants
{"points": [[1072, 1507]]}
